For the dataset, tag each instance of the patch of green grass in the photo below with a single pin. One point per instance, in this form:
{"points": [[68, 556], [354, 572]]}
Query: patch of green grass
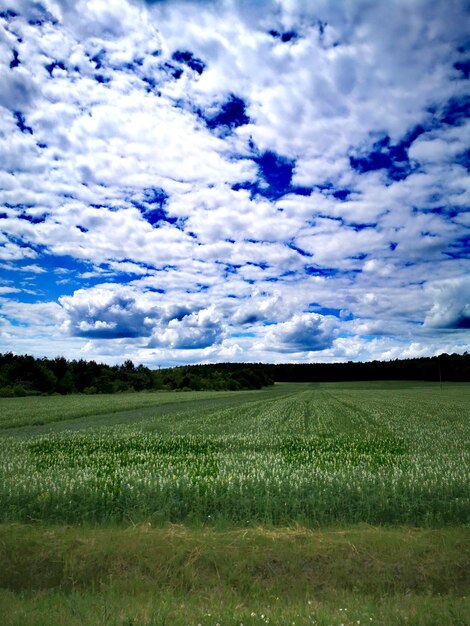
{"points": [[34, 415], [201, 576], [163, 608], [41, 410], [252, 561]]}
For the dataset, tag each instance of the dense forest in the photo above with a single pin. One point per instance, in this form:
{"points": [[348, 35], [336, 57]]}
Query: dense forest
{"points": [[22, 375], [445, 368]]}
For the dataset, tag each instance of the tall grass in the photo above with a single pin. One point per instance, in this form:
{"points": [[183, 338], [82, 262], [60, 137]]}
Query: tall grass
{"points": [[177, 576]]}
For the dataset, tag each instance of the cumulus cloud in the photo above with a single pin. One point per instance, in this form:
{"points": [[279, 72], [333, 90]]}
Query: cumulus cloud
{"points": [[307, 332], [259, 308], [220, 179], [106, 313], [451, 305], [190, 332]]}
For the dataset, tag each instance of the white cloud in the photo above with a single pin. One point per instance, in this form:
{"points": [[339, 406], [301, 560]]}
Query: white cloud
{"points": [[193, 331], [451, 304], [307, 332], [98, 112], [6, 289], [110, 312]]}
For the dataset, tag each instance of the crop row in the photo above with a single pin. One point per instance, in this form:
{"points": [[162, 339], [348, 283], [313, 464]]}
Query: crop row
{"points": [[309, 457]]}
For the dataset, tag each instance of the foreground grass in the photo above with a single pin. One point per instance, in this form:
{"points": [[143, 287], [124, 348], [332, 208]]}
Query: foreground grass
{"points": [[109, 608], [180, 575]]}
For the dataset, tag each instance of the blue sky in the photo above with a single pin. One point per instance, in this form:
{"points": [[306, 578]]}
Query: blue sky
{"points": [[275, 181]]}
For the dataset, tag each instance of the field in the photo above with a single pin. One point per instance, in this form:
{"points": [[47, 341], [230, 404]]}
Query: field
{"points": [[320, 495]]}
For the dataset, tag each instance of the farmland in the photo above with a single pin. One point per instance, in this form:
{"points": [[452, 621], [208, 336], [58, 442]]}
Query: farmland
{"points": [[308, 454], [312, 457]]}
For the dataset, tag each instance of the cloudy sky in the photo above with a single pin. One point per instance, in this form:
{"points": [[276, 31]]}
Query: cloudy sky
{"points": [[234, 180]]}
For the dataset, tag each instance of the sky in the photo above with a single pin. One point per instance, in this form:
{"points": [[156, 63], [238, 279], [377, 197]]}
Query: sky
{"points": [[234, 180]]}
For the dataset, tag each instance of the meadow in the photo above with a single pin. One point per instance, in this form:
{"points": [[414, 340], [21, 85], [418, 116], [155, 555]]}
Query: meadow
{"points": [[325, 480]]}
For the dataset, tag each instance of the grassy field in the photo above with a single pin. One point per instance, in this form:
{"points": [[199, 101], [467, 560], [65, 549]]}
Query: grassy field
{"points": [[40, 410], [313, 504], [308, 454], [186, 576]]}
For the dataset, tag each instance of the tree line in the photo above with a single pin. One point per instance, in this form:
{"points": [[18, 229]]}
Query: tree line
{"points": [[22, 375], [444, 368]]}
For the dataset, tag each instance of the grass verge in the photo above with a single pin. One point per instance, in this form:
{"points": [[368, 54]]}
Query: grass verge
{"points": [[163, 608], [180, 575]]}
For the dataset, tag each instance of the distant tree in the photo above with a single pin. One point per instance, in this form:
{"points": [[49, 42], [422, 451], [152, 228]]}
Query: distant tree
{"points": [[66, 385]]}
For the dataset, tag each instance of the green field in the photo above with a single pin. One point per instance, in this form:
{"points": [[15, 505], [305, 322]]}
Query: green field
{"points": [[308, 490]]}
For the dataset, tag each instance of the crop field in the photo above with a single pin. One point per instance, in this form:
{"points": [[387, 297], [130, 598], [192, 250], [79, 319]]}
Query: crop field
{"points": [[321, 504], [312, 454], [40, 410]]}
